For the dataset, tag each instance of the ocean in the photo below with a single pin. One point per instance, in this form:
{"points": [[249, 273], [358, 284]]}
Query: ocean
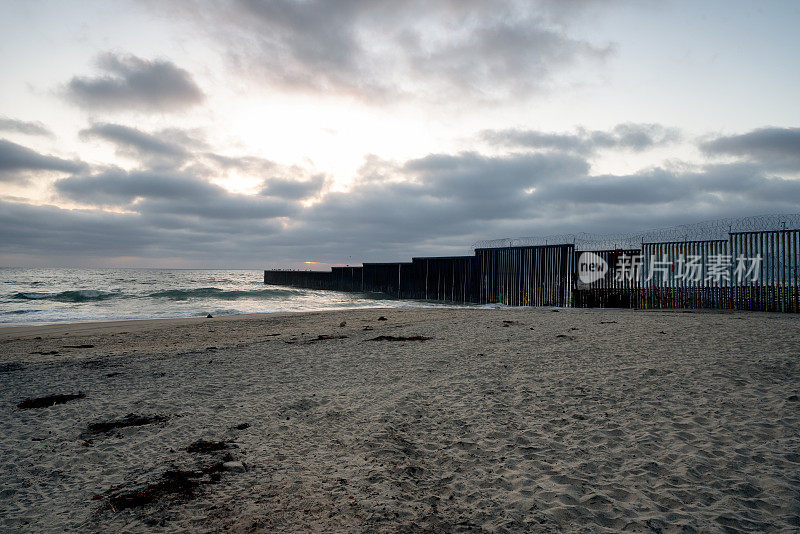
{"points": [[36, 296]]}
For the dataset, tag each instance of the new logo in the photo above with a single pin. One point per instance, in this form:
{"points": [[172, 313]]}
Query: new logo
{"points": [[591, 267]]}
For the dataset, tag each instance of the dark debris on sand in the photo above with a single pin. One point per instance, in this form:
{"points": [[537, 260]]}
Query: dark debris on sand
{"points": [[175, 483], [207, 446], [400, 338], [10, 366], [129, 420], [49, 400], [323, 337]]}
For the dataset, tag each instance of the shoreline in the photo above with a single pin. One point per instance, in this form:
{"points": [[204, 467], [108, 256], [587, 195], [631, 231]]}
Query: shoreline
{"points": [[111, 325], [8, 330], [432, 419], [401, 304]]}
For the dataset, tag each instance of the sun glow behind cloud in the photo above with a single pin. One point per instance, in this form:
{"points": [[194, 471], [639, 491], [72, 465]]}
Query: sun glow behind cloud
{"points": [[333, 136]]}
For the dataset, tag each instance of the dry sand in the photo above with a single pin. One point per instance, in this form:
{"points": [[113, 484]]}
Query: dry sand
{"points": [[581, 420]]}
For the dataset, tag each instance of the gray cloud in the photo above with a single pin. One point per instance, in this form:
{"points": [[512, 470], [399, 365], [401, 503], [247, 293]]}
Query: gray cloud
{"points": [[486, 187], [630, 136], [130, 82], [188, 139], [437, 204], [293, 189], [116, 187], [382, 49], [779, 148], [92, 236], [285, 182], [49, 230], [135, 143], [501, 58], [17, 162], [713, 184], [249, 164], [24, 127], [436, 198], [152, 192], [446, 203]]}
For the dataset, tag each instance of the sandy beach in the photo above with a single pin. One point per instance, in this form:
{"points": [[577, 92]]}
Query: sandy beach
{"points": [[485, 420]]}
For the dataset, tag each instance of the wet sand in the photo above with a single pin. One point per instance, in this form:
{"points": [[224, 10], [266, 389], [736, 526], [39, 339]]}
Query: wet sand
{"points": [[504, 420]]}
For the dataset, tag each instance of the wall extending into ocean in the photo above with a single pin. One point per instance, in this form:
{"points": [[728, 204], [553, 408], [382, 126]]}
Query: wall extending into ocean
{"points": [[451, 279], [750, 267]]}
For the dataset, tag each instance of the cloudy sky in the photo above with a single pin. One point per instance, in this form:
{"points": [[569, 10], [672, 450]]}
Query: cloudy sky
{"points": [[255, 134]]}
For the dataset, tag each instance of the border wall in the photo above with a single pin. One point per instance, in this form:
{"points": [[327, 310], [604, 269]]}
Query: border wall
{"points": [[448, 279], [526, 276], [527, 272]]}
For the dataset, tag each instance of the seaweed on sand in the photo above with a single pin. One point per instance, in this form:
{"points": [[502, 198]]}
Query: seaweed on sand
{"points": [[174, 483], [49, 400], [207, 446], [129, 420], [399, 338]]}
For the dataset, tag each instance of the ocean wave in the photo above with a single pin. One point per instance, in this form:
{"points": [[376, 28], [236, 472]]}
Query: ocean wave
{"points": [[225, 294], [78, 295]]}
